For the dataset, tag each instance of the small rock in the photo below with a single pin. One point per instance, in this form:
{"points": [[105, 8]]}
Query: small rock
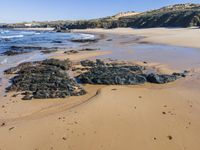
{"points": [[64, 138], [161, 79], [3, 124], [170, 137]]}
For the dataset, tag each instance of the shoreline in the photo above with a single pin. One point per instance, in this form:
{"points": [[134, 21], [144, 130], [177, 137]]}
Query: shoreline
{"points": [[34, 29], [168, 36]]}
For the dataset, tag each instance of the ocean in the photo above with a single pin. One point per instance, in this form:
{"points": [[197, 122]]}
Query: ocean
{"points": [[9, 38], [47, 39]]}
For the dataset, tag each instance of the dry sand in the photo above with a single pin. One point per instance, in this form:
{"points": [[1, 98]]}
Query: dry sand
{"points": [[153, 117], [188, 37]]}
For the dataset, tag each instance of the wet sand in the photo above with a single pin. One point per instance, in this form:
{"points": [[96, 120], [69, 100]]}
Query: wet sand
{"points": [[141, 117]]}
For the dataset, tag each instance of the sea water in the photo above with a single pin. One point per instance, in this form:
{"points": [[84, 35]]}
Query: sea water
{"points": [[10, 37]]}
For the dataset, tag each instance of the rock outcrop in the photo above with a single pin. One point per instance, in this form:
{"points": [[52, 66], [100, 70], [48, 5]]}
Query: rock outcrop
{"points": [[50, 78], [44, 79], [117, 74]]}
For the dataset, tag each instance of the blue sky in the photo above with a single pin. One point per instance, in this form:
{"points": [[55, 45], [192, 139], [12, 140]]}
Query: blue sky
{"points": [[29, 10]]}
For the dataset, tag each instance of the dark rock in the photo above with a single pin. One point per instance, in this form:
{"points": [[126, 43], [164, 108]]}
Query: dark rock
{"points": [[89, 49], [179, 74], [65, 65], [48, 51], [28, 95], [161, 79], [71, 52], [77, 51], [44, 79], [88, 63], [16, 50], [111, 76], [62, 29], [99, 72], [22, 48], [55, 41], [3, 124], [99, 62], [13, 53], [84, 40]]}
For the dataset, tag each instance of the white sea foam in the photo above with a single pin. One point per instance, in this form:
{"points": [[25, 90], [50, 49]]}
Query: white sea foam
{"points": [[29, 33], [83, 36], [4, 31], [87, 36], [5, 60], [11, 36]]}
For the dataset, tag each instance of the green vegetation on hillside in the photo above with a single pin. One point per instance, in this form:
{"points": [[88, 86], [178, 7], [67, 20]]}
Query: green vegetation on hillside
{"points": [[180, 15]]}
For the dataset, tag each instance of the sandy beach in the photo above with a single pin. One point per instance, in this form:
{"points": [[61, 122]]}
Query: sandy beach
{"points": [[187, 37], [141, 117]]}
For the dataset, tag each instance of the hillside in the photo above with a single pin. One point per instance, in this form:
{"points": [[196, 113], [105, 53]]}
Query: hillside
{"points": [[180, 15]]}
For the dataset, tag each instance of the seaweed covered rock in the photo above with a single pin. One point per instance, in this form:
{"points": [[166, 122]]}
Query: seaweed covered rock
{"points": [[84, 40], [100, 72], [87, 63], [115, 73], [13, 52], [44, 79], [15, 70], [161, 79], [16, 50], [65, 65], [122, 75]]}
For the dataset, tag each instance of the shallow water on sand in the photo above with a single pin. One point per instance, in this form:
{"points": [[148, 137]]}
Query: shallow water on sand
{"points": [[174, 56]]}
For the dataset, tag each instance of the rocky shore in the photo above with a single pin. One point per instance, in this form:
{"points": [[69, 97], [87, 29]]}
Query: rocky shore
{"points": [[17, 50], [122, 74], [44, 79], [50, 78]]}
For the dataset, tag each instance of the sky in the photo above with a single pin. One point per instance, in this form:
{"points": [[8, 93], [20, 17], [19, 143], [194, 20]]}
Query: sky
{"points": [[48, 10]]}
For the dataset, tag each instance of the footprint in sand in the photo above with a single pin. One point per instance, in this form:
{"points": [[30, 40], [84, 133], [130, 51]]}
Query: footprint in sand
{"points": [[188, 125]]}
